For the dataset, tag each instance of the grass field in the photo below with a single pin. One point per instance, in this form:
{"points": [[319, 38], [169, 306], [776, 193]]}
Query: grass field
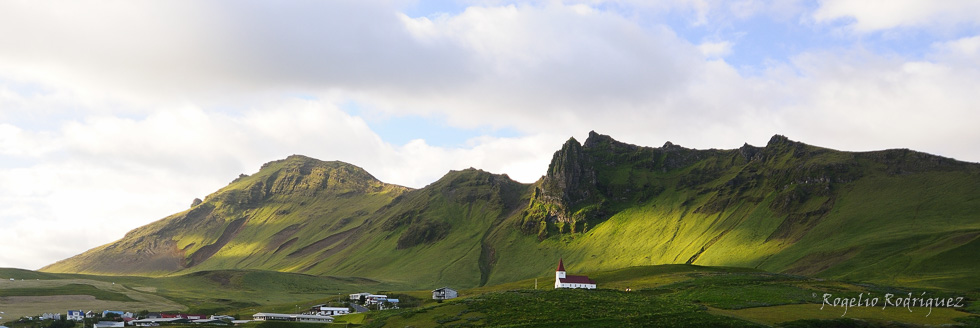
{"points": [[663, 295], [673, 295], [231, 292], [32, 297], [785, 313], [554, 308]]}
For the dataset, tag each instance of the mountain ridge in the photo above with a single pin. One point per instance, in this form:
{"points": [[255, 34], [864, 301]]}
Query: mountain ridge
{"points": [[785, 207]]}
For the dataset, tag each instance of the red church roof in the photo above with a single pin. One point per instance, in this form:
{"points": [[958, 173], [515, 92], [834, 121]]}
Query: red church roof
{"points": [[576, 280], [561, 266]]}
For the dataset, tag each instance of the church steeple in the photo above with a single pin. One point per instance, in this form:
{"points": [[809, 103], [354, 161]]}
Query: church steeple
{"points": [[559, 273]]}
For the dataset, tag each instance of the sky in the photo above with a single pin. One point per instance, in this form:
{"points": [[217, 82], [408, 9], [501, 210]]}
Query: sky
{"points": [[117, 113]]}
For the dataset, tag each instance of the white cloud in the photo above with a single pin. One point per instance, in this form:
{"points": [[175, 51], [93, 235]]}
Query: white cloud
{"points": [[146, 52], [104, 175], [865, 101], [715, 49], [117, 116], [869, 16], [546, 64]]}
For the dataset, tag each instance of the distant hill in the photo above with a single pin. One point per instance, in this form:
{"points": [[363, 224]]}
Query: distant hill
{"points": [[892, 216]]}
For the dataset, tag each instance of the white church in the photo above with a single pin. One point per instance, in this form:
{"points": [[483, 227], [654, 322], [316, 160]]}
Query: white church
{"points": [[569, 281]]}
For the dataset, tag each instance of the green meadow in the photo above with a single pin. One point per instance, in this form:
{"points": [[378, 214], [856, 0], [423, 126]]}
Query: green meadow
{"points": [[675, 296]]}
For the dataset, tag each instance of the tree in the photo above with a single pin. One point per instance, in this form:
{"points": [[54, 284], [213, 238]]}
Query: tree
{"points": [[112, 317], [63, 323]]}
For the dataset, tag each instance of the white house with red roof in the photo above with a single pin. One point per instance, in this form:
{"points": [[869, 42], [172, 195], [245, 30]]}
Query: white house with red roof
{"points": [[569, 281]]}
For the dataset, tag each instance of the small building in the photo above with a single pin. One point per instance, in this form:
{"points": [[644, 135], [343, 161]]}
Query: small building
{"points": [[222, 317], [51, 316], [323, 309], [291, 317], [75, 315], [89, 314], [357, 297], [375, 299], [444, 293], [569, 281]]}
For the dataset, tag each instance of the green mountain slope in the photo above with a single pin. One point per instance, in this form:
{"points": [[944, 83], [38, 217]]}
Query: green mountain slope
{"points": [[280, 218], [894, 216]]}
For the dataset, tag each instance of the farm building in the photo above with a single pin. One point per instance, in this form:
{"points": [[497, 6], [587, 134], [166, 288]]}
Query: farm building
{"points": [[323, 309], [444, 293], [357, 297]]}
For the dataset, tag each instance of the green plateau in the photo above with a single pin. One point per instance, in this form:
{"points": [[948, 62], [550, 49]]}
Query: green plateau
{"points": [[892, 217]]}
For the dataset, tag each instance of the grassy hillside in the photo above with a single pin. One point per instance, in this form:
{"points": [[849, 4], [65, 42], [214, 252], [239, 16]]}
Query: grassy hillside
{"points": [[323, 218], [891, 217], [281, 218], [437, 235], [896, 216]]}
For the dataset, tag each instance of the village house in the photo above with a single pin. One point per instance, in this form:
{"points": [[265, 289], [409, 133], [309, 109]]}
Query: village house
{"points": [[444, 293], [375, 299], [51, 316], [323, 309], [569, 281], [75, 315], [357, 297]]}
